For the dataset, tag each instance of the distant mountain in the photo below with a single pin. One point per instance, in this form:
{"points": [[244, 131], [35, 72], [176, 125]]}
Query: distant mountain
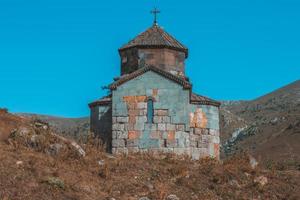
{"points": [[72, 127], [268, 127]]}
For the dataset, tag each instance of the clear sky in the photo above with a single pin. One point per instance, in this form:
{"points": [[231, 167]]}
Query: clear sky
{"points": [[55, 55]]}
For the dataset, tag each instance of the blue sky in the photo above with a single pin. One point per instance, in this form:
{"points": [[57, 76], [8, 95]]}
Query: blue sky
{"points": [[56, 54]]}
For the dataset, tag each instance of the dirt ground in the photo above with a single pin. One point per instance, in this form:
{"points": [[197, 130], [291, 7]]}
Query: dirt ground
{"points": [[28, 174]]}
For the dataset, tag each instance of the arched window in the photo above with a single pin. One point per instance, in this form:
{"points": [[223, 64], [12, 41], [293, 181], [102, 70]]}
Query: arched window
{"points": [[150, 110]]}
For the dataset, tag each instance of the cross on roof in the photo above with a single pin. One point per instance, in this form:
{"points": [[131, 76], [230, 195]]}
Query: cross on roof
{"points": [[155, 11]]}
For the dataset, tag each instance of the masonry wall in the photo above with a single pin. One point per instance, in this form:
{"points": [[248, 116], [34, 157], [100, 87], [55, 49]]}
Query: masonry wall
{"points": [[166, 59], [178, 127], [101, 123]]}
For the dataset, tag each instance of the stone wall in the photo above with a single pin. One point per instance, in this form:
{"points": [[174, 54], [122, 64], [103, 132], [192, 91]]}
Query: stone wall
{"points": [[166, 59], [178, 126]]}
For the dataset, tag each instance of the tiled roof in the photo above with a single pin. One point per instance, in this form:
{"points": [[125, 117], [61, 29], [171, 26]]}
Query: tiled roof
{"points": [[155, 36], [199, 99], [103, 101], [127, 77]]}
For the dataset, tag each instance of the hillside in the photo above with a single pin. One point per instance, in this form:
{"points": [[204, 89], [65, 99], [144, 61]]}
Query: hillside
{"points": [[36, 163], [71, 127], [271, 125]]}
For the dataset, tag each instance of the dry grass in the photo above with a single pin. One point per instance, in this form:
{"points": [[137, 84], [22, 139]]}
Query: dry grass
{"points": [[28, 172]]}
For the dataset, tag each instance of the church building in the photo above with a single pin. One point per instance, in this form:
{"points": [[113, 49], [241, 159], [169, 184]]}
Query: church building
{"points": [[151, 105]]}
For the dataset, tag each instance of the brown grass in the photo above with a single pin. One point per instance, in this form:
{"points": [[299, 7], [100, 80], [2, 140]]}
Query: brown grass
{"points": [[129, 177]]}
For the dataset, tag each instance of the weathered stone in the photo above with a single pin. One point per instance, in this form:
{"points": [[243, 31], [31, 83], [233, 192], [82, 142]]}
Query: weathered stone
{"points": [[161, 127], [166, 119], [118, 143], [122, 119], [262, 180], [155, 135], [180, 127], [54, 149], [118, 127], [139, 126], [157, 119], [161, 112], [151, 127], [133, 134], [172, 197], [122, 134], [114, 120], [141, 105], [132, 143], [171, 127], [144, 198]]}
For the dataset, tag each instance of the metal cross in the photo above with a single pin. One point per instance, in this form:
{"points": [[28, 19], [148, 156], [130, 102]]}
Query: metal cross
{"points": [[155, 11]]}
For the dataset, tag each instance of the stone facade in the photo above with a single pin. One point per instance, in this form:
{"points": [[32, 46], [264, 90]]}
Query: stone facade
{"points": [[167, 59], [177, 127], [151, 106]]}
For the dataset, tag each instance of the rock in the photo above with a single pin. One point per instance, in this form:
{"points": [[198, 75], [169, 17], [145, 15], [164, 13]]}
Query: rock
{"points": [[150, 186], [19, 162], [23, 131], [101, 162], [253, 162], [54, 149], [172, 197], [144, 198], [110, 156], [55, 181], [262, 180]]}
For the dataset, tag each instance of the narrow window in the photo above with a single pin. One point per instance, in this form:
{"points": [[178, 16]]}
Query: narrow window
{"points": [[150, 110], [165, 142]]}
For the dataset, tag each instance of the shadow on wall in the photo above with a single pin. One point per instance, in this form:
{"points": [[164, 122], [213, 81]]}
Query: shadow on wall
{"points": [[103, 129]]}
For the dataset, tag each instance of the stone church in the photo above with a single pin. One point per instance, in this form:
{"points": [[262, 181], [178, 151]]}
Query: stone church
{"points": [[151, 105]]}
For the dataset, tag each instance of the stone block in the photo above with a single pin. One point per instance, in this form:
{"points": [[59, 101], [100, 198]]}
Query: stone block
{"points": [[132, 143], [157, 119], [198, 131], [142, 112], [155, 135], [180, 127], [166, 119], [171, 127], [172, 143], [161, 127], [133, 134], [118, 127], [122, 119], [161, 112], [133, 149], [142, 105], [197, 153], [141, 119], [114, 134], [181, 151], [120, 150], [151, 127], [122, 134], [114, 120], [164, 134], [118, 143], [171, 135], [214, 132], [139, 126]]}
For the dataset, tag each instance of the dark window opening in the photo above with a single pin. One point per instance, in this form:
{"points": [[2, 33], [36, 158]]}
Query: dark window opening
{"points": [[150, 111], [165, 142]]}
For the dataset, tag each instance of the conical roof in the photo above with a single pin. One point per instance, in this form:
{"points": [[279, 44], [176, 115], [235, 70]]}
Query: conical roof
{"points": [[155, 37]]}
